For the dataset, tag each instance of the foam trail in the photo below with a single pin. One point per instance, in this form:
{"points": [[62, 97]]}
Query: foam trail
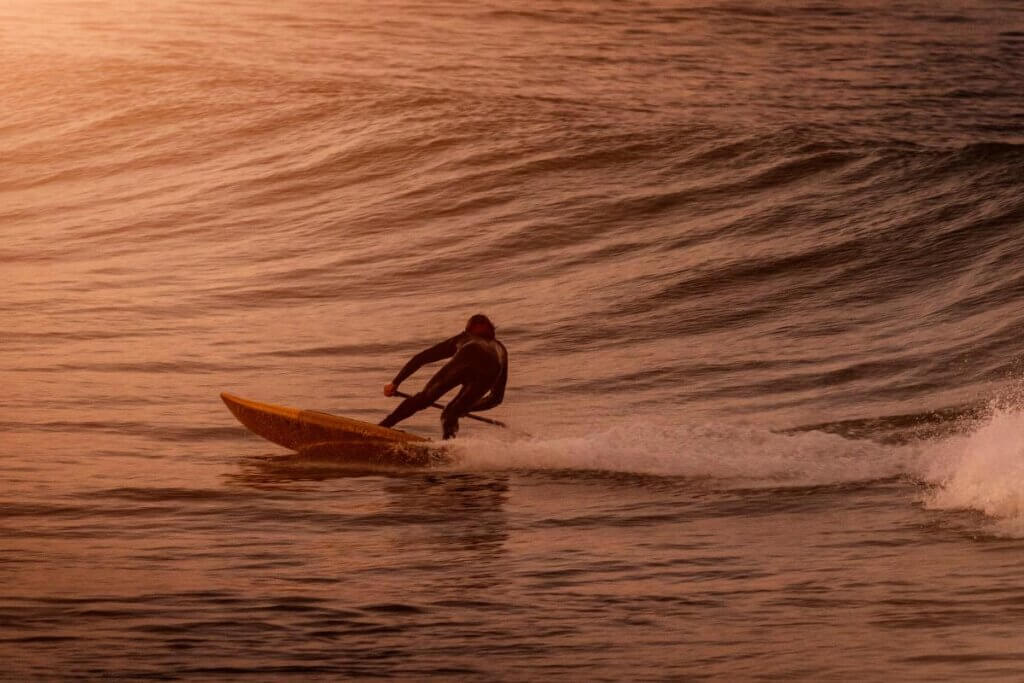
{"points": [[745, 455], [982, 470]]}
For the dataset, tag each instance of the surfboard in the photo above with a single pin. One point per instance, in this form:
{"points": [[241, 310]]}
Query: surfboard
{"points": [[319, 434]]}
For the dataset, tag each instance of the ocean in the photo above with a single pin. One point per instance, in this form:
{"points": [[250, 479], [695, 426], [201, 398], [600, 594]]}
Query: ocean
{"points": [[757, 265]]}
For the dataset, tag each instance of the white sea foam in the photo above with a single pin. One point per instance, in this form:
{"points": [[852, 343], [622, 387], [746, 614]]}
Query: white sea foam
{"points": [[750, 455], [981, 470]]}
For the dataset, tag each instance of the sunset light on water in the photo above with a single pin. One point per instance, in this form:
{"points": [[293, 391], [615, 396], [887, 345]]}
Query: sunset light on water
{"points": [[751, 271]]}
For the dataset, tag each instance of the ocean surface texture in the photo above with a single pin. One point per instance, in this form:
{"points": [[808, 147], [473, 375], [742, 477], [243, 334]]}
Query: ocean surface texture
{"points": [[758, 265]]}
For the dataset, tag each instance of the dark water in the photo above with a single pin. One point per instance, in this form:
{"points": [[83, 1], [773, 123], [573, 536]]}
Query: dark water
{"points": [[757, 266]]}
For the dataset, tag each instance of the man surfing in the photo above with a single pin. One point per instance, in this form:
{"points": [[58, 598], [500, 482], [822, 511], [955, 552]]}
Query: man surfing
{"points": [[479, 363]]}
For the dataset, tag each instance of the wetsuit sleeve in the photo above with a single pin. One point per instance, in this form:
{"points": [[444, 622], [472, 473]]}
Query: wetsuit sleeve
{"points": [[445, 349], [497, 392]]}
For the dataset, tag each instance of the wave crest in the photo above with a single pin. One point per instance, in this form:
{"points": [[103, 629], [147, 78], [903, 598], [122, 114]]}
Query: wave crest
{"points": [[983, 471]]}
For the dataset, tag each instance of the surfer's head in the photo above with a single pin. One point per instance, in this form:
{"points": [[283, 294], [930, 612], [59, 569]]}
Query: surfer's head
{"points": [[481, 326]]}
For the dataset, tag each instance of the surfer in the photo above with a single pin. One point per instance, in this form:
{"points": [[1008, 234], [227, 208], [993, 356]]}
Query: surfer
{"points": [[479, 363]]}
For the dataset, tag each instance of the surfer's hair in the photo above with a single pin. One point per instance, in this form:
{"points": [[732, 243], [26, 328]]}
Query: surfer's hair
{"points": [[481, 319]]}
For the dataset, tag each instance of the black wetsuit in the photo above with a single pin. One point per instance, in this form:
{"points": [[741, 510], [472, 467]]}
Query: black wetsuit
{"points": [[479, 364]]}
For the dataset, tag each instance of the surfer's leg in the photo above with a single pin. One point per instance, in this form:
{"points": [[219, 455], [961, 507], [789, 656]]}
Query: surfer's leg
{"points": [[471, 392], [406, 408], [446, 379]]}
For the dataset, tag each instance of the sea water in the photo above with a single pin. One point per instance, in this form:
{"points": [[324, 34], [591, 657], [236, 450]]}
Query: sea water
{"points": [[757, 264]]}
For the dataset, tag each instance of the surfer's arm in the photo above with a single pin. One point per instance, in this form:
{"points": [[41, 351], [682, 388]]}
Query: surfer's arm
{"points": [[497, 393], [445, 349]]}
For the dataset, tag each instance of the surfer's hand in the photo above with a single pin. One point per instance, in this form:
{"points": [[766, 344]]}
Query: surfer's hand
{"points": [[389, 389]]}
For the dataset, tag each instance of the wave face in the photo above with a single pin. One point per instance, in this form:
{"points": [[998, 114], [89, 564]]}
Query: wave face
{"points": [[669, 213]]}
